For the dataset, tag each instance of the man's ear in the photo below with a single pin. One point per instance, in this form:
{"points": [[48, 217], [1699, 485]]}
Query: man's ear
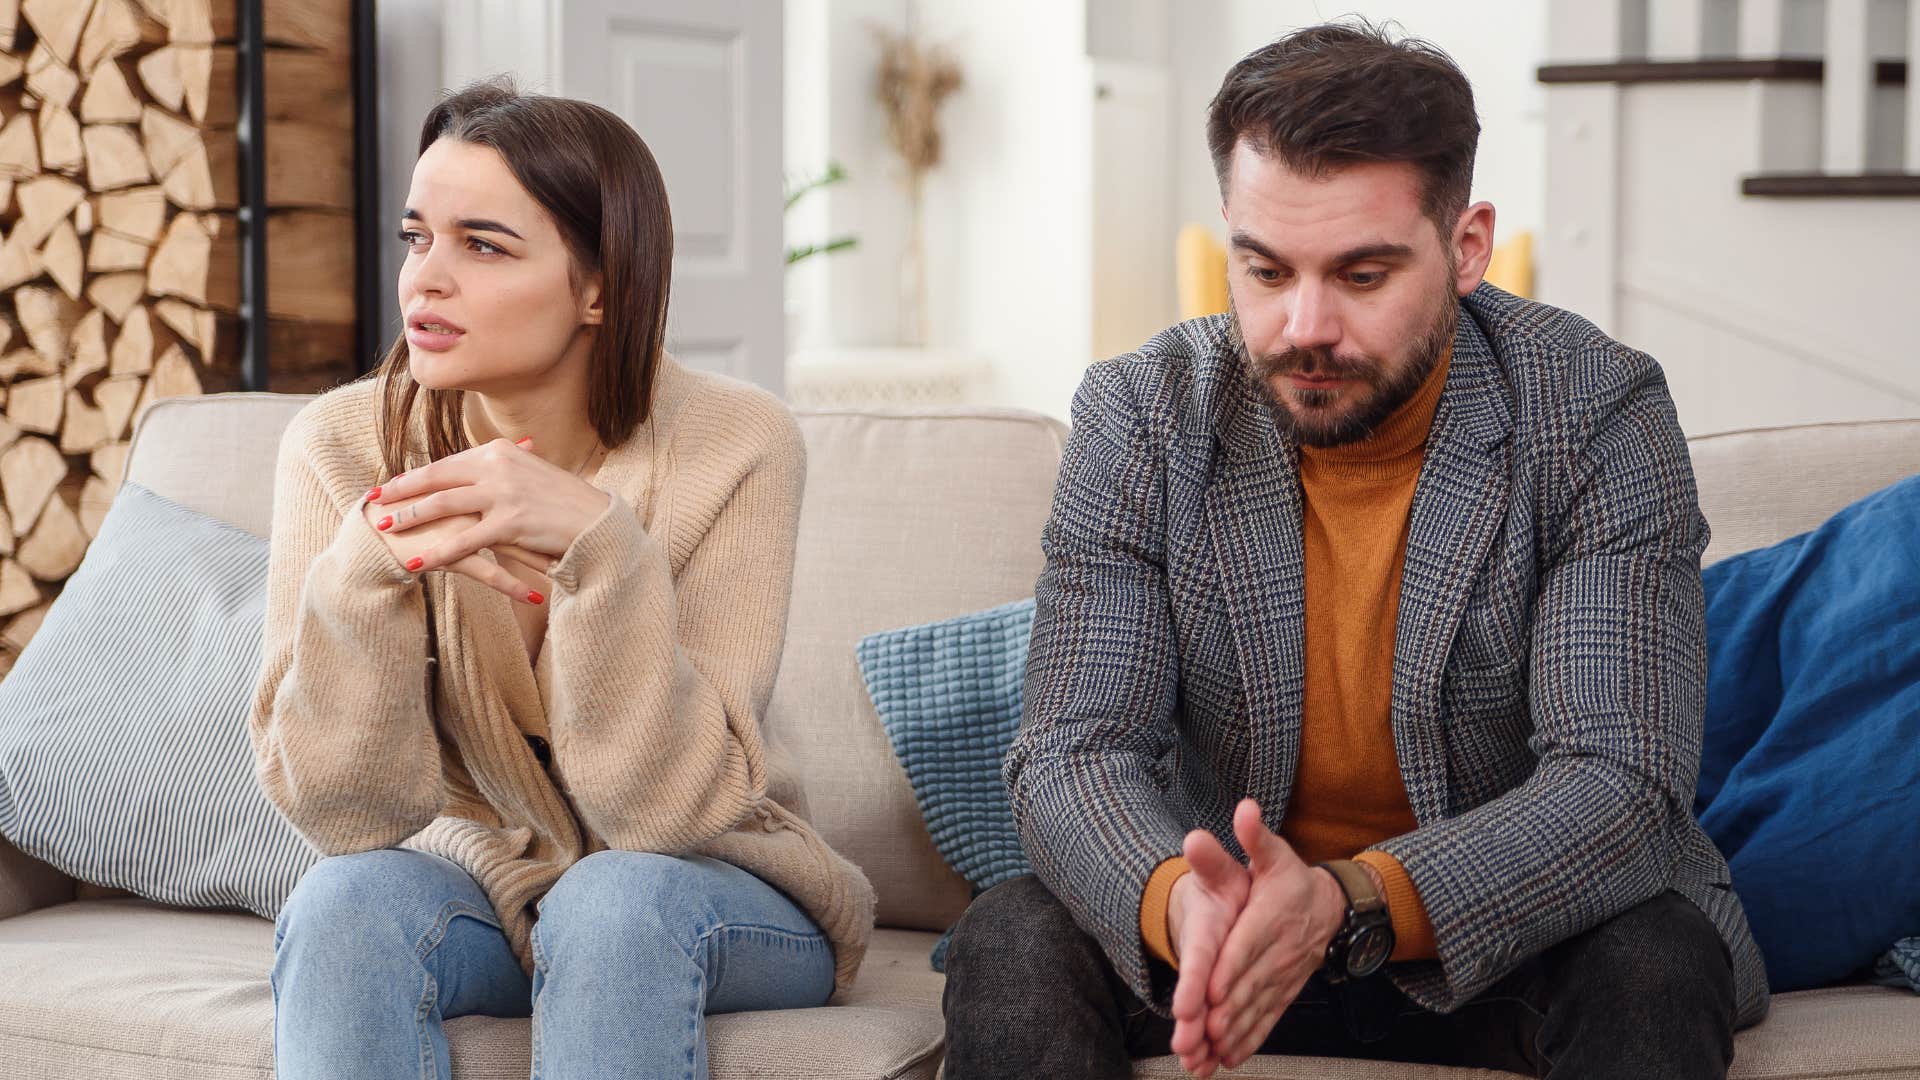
{"points": [[592, 310], [1472, 247]]}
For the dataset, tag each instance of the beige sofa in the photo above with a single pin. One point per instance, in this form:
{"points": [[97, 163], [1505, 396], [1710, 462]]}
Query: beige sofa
{"points": [[909, 518]]}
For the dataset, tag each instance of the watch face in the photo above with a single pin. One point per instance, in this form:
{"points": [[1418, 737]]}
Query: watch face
{"points": [[1371, 947]]}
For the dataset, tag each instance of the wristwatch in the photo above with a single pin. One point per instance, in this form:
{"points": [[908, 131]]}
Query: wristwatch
{"points": [[1365, 940]]}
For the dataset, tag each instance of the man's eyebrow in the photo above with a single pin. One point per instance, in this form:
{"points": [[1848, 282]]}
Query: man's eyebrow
{"points": [[469, 224], [1379, 249], [1247, 243]]}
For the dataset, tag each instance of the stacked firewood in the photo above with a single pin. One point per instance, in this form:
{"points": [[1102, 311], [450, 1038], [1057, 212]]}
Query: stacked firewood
{"points": [[120, 258]]}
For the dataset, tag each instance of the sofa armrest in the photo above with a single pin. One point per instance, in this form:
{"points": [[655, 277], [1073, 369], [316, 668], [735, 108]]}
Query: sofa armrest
{"points": [[27, 883]]}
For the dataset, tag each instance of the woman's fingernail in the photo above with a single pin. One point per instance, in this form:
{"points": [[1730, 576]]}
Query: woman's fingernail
{"points": [[416, 563], [385, 523], [535, 598], [373, 493], [528, 441]]}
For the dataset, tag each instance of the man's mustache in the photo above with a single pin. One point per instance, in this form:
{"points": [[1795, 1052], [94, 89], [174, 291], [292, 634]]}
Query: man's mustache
{"points": [[1321, 363]]}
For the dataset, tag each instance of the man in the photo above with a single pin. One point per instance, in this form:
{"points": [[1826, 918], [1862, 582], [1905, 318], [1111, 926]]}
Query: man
{"points": [[1364, 706]]}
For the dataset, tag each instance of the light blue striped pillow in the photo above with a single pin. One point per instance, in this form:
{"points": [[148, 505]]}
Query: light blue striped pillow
{"points": [[124, 758]]}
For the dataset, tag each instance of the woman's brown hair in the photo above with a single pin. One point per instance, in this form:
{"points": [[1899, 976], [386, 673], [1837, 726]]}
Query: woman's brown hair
{"points": [[590, 170]]}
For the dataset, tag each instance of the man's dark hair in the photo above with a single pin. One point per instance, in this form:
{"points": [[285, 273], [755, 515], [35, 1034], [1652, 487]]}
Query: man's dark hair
{"points": [[1329, 96]]}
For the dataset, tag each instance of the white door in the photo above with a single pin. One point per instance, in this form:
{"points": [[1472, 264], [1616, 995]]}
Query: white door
{"points": [[700, 81]]}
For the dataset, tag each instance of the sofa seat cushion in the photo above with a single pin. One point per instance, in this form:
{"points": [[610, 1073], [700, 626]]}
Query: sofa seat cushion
{"points": [[1842, 1031], [131, 989]]}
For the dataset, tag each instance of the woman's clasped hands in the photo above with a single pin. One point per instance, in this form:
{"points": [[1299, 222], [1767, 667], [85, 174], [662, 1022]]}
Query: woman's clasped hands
{"points": [[498, 498]]}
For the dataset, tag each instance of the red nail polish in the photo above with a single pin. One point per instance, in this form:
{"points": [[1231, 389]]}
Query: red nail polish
{"points": [[535, 598], [416, 563], [385, 523], [372, 494], [528, 441]]}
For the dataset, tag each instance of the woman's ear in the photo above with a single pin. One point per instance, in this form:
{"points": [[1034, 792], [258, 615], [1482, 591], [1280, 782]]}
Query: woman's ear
{"points": [[592, 310]]}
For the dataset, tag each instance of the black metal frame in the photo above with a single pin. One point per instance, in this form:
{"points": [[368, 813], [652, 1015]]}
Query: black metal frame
{"points": [[366, 191], [252, 138]]}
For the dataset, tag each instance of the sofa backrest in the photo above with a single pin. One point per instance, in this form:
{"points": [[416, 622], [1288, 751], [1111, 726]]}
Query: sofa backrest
{"points": [[1760, 487], [909, 517], [916, 516], [215, 453]]}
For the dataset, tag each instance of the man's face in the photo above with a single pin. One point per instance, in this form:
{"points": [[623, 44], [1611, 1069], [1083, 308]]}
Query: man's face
{"points": [[1343, 292]]}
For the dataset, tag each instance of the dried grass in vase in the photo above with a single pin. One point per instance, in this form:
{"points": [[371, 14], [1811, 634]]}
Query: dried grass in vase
{"points": [[912, 81]]}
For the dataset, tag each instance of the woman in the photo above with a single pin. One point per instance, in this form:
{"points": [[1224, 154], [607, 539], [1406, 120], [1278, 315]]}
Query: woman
{"points": [[514, 691]]}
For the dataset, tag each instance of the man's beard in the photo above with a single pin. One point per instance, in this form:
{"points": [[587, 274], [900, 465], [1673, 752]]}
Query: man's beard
{"points": [[1312, 427]]}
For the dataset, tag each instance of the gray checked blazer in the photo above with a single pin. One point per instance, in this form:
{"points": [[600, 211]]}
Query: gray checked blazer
{"points": [[1549, 665]]}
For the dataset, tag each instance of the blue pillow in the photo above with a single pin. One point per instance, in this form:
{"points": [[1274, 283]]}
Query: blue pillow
{"points": [[949, 696], [124, 758], [1810, 772]]}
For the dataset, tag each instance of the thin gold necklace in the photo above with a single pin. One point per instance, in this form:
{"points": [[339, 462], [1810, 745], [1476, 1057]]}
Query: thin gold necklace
{"points": [[580, 468]]}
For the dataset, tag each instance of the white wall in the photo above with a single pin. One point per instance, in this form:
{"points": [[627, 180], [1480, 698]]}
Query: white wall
{"points": [[1009, 253], [407, 49], [1006, 212], [851, 297], [1030, 237], [1497, 43]]}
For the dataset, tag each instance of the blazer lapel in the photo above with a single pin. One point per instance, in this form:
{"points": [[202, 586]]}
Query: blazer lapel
{"points": [[1254, 513], [1458, 506]]}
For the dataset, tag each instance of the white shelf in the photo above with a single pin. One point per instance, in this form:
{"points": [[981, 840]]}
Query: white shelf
{"points": [[886, 377]]}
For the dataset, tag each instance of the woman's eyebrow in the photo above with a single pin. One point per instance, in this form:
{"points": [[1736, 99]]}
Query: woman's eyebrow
{"points": [[469, 224]]}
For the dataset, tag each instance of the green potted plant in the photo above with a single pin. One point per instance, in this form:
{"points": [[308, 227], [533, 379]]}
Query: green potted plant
{"points": [[834, 174]]}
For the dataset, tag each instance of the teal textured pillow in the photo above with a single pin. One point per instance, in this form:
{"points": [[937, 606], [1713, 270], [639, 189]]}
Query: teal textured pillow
{"points": [[949, 696]]}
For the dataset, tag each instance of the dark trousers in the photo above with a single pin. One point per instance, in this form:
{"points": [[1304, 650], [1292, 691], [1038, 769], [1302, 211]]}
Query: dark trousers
{"points": [[1646, 995]]}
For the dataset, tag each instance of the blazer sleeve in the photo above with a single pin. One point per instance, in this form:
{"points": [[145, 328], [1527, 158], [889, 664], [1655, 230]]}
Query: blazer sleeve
{"points": [[341, 721], [1087, 774], [659, 680], [1617, 692]]}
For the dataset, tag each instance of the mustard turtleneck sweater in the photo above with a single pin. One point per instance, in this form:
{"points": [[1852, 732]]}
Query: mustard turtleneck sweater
{"points": [[1347, 791]]}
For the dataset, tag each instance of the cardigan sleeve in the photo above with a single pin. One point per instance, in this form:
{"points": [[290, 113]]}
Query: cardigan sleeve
{"points": [[659, 679], [341, 724]]}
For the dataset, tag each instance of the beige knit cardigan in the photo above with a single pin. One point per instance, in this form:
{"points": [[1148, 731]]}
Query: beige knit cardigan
{"points": [[664, 633]]}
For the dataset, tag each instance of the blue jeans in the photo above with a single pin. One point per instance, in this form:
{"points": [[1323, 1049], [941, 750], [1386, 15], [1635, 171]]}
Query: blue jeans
{"points": [[374, 950]]}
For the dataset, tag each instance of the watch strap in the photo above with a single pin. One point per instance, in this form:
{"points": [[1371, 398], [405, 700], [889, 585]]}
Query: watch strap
{"points": [[1366, 919], [1363, 896]]}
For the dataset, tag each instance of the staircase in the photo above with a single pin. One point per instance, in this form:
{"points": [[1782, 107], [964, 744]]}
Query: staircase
{"points": [[1734, 187]]}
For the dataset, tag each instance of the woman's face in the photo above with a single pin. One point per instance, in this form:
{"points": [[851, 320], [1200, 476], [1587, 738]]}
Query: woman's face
{"points": [[486, 290]]}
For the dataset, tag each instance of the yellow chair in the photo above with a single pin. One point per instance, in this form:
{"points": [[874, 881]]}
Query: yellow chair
{"points": [[1200, 273], [1512, 265]]}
